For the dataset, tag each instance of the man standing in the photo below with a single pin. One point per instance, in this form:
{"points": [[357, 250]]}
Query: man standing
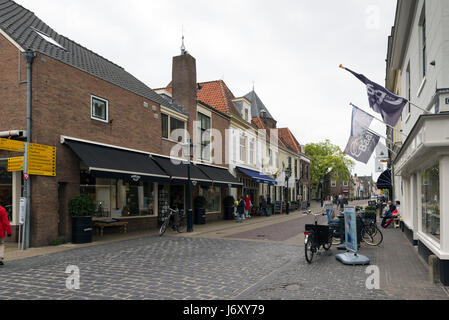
{"points": [[5, 228], [241, 210], [247, 206], [342, 201]]}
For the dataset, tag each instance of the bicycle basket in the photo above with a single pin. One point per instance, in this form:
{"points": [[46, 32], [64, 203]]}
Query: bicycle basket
{"points": [[369, 217], [323, 231]]}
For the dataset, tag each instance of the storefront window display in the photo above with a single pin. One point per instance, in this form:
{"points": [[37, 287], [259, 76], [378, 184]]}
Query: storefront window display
{"points": [[430, 197], [213, 197], [117, 198], [6, 188]]}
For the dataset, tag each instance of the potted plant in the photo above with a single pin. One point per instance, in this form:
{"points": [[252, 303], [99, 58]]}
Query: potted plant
{"points": [[81, 208], [228, 204], [200, 210]]}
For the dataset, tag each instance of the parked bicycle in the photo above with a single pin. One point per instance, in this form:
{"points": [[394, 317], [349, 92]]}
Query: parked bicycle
{"points": [[370, 233], [316, 236], [175, 218]]}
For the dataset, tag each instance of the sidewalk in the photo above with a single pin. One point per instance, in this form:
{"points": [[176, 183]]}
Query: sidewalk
{"points": [[213, 229]]}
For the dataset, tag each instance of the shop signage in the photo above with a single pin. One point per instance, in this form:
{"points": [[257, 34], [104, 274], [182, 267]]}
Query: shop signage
{"points": [[135, 178], [12, 145], [350, 229], [41, 160], [15, 164]]}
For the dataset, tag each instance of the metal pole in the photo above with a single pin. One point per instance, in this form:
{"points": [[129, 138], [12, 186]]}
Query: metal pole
{"points": [[189, 192], [29, 56]]}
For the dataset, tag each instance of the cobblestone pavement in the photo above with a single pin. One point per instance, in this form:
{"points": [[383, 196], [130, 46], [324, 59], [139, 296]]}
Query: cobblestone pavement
{"points": [[236, 267], [147, 268]]}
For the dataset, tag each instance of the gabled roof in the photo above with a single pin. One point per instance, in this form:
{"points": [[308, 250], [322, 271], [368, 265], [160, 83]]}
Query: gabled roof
{"points": [[289, 139], [21, 25], [257, 105]]}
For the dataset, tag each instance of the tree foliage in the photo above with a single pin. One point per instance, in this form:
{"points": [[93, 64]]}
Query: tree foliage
{"points": [[328, 158]]}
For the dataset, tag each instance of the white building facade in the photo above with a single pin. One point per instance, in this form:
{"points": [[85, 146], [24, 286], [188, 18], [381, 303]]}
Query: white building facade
{"points": [[418, 69]]}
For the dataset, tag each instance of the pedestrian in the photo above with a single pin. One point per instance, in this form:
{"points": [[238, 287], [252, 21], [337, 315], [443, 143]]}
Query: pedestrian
{"points": [[342, 201], [241, 210], [389, 212], [5, 228], [247, 206]]}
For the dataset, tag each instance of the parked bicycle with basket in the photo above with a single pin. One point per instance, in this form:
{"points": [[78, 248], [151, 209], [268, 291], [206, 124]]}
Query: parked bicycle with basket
{"points": [[316, 236]]}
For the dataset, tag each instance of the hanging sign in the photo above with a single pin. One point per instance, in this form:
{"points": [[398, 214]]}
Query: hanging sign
{"points": [[15, 164], [12, 145], [41, 160], [350, 229]]}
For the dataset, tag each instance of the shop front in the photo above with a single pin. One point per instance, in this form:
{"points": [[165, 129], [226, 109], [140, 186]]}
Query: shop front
{"points": [[423, 165], [10, 192]]}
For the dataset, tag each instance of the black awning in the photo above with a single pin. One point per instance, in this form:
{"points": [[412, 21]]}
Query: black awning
{"points": [[114, 163], [177, 170], [384, 181], [220, 176]]}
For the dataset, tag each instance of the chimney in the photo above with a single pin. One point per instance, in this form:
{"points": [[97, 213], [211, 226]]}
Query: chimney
{"points": [[184, 82]]}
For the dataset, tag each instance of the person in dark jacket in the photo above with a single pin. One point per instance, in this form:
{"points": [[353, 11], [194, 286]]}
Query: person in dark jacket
{"points": [[5, 229], [241, 210]]}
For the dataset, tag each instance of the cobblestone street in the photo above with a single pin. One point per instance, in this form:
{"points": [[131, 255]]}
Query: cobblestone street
{"points": [[264, 262]]}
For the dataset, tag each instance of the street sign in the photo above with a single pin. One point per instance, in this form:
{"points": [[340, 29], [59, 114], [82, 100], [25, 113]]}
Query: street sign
{"points": [[22, 210], [41, 160], [12, 145], [15, 164]]}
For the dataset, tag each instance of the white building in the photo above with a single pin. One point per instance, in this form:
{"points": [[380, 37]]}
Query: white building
{"points": [[418, 69]]}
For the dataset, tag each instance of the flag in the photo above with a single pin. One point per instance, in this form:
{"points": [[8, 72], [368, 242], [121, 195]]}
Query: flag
{"points": [[379, 167], [360, 121], [362, 147], [382, 101], [381, 151]]}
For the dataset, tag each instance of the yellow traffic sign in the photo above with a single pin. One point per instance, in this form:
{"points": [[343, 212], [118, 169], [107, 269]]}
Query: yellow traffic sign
{"points": [[41, 160], [12, 145], [16, 164]]}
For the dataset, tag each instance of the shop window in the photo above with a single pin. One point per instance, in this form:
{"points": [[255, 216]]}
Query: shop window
{"points": [[430, 195], [99, 109], [213, 197], [6, 188], [118, 198]]}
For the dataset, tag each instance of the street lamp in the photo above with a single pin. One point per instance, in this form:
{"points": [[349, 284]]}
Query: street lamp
{"points": [[321, 191], [288, 173], [189, 214]]}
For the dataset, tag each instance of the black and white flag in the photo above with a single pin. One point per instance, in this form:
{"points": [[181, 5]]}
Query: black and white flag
{"points": [[360, 121], [361, 147], [381, 151], [381, 100], [379, 166]]}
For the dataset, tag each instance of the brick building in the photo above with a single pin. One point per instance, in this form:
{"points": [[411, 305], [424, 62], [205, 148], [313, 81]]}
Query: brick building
{"points": [[107, 127]]}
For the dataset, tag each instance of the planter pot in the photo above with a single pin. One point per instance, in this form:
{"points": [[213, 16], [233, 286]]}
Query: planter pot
{"points": [[229, 213], [199, 216], [81, 230]]}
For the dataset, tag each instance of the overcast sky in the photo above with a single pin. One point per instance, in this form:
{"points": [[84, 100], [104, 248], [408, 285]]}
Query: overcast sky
{"points": [[290, 50]]}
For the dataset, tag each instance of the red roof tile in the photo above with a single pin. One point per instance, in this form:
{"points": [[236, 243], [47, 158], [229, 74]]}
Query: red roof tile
{"points": [[289, 139]]}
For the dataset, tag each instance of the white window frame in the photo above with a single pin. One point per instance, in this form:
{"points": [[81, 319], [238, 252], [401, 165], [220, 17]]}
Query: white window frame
{"points": [[92, 97], [345, 183], [333, 184], [169, 117], [208, 115]]}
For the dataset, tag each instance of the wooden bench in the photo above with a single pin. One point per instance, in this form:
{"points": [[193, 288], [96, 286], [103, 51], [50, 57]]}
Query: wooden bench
{"points": [[101, 225]]}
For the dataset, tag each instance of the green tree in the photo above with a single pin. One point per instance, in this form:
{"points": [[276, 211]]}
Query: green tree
{"points": [[326, 158]]}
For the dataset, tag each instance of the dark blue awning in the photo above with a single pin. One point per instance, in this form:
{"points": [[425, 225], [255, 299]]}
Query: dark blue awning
{"points": [[257, 176], [384, 181]]}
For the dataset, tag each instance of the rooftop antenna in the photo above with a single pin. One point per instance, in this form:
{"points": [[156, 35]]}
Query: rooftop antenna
{"points": [[183, 48]]}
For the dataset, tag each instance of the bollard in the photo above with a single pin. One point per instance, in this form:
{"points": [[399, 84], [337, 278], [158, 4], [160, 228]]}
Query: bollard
{"points": [[434, 268]]}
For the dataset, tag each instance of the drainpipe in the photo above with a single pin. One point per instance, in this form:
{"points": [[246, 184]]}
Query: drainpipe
{"points": [[29, 57]]}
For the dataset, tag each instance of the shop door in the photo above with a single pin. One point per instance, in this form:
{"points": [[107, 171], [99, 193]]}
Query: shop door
{"points": [[177, 197]]}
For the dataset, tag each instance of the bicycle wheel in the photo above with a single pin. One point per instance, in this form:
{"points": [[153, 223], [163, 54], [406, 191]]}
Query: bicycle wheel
{"points": [[328, 245], [372, 235], [163, 227], [182, 225], [309, 249]]}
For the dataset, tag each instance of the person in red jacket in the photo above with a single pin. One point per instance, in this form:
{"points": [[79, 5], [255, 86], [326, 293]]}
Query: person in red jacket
{"points": [[247, 206], [5, 229]]}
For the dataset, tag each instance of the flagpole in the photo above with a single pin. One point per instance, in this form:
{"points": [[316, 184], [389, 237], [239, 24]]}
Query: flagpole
{"points": [[379, 120], [418, 107]]}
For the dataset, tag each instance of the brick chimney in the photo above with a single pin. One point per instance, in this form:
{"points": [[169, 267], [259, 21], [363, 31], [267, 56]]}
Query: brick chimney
{"points": [[184, 81]]}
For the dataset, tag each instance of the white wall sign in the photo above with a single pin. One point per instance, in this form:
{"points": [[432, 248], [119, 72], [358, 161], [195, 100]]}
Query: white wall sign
{"points": [[22, 210]]}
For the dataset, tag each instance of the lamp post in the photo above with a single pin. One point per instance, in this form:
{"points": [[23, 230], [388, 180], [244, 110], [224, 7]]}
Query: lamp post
{"points": [[288, 172], [189, 214]]}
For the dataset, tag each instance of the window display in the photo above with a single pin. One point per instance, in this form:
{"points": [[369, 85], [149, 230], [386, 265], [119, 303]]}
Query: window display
{"points": [[430, 197], [213, 197], [6, 188]]}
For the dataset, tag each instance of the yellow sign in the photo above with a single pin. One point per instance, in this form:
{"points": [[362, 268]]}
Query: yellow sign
{"points": [[15, 164], [12, 145], [41, 160]]}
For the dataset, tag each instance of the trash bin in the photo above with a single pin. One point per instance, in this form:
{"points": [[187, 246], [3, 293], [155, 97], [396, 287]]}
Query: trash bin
{"points": [[200, 216]]}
